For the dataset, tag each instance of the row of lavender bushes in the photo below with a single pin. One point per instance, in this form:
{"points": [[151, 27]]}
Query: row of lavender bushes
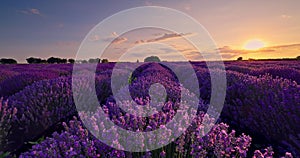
{"points": [[76, 141], [275, 71], [38, 107], [37, 110], [263, 104]]}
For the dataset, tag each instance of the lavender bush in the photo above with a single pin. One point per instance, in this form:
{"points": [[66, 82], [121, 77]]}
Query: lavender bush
{"points": [[75, 140], [7, 117], [16, 83], [5, 74], [265, 105], [39, 106]]}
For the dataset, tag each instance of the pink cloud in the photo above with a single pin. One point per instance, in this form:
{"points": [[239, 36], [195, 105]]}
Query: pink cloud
{"points": [[284, 16], [164, 37], [95, 38], [115, 37], [119, 40]]}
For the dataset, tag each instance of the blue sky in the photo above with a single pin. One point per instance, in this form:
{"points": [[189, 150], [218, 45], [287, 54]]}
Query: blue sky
{"points": [[56, 28]]}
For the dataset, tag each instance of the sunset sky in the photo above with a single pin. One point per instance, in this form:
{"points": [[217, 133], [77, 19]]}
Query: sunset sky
{"points": [[251, 29]]}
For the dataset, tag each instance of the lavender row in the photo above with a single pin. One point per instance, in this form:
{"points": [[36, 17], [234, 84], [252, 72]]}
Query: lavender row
{"points": [[275, 71], [77, 141], [36, 108], [265, 105], [18, 82]]}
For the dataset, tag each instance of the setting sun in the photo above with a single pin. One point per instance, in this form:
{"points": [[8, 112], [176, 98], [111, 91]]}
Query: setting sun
{"points": [[254, 44]]}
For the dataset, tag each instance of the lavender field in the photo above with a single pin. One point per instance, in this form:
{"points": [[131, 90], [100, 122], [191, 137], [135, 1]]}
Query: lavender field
{"points": [[260, 117]]}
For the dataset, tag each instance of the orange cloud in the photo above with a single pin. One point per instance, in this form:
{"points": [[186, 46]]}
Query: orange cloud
{"points": [[119, 40], [284, 16], [228, 52]]}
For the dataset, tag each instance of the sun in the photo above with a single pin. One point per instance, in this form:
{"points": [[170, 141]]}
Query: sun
{"points": [[254, 44]]}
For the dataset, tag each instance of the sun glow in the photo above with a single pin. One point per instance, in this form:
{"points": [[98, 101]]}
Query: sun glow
{"points": [[254, 44]]}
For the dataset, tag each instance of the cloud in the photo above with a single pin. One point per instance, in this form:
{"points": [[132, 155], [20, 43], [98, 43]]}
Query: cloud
{"points": [[140, 41], [185, 49], [285, 46], [31, 11], [115, 37], [114, 34], [169, 36], [187, 7], [168, 50], [61, 25], [35, 11], [284, 16], [94, 38], [67, 43], [119, 40], [228, 56], [228, 52], [164, 37]]}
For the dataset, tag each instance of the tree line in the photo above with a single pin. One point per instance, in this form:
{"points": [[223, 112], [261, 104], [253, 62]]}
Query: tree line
{"points": [[251, 59], [8, 61], [56, 60], [52, 60]]}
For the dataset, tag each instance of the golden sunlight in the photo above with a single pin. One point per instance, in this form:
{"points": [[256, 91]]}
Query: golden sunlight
{"points": [[254, 44]]}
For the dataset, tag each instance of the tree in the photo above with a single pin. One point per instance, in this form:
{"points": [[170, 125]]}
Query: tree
{"points": [[43, 61], [104, 61], [298, 58], [33, 60], [63, 61], [240, 58], [8, 61], [97, 60], [152, 59], [84, 62], [53, 60], [72, 61]]}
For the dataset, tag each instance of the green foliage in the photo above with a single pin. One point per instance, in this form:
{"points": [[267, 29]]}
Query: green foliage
{"points": [[71, 61], [55, 60], [104, 61], [3, 155], [38, 141], [97, 60], [8, 61], [130, 79], [152, 59]]}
